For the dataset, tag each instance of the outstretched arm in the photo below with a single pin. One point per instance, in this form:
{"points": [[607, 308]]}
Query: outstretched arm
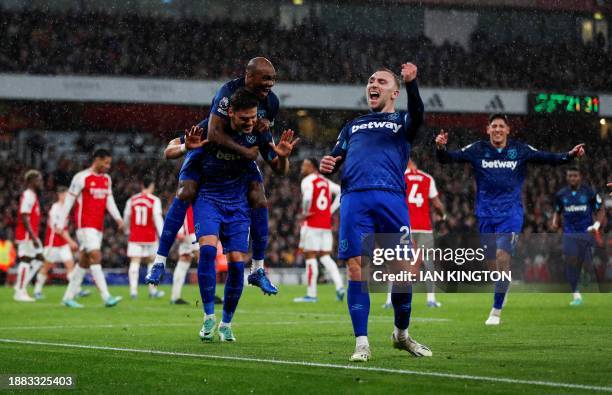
{"points": [[416, 109], [331, 163], [445, 156], [553, 158], [192, 140], [277, 155]]}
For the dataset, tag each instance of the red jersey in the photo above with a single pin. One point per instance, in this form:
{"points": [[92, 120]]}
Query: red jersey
{"points": [[188, 223], [94, 195], [28, 204], [143, 213], [53, 239], [317, 194], [420, 188]]}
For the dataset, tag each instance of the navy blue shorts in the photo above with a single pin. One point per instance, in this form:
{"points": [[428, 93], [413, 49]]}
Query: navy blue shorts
{"points": [[230, 223], [369, 212], [499, 233], [579, 245], [190, 170]]}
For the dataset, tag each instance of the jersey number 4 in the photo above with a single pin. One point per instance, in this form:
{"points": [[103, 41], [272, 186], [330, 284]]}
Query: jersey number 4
{"points": [[141, 215], [415, 197]]}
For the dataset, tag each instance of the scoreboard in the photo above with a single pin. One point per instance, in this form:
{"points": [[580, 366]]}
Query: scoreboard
{"points": [[546, 103]]}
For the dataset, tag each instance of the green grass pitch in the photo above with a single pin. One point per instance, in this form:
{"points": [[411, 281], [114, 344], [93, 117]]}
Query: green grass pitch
{"points": [[542, 346]]}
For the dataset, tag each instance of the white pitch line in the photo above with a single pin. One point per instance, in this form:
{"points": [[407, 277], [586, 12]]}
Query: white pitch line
{"points": [[491, 379]]}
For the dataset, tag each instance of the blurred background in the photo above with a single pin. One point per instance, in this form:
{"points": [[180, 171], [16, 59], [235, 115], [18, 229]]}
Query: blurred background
{"points": [[128, 76]]}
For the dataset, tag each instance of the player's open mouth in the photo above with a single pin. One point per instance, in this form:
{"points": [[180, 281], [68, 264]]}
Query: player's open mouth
{"points": [[373, 95]]}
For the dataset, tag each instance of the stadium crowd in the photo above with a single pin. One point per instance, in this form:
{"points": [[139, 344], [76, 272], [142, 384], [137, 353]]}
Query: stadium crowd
{"points": [[129, 44], [456, 186]]}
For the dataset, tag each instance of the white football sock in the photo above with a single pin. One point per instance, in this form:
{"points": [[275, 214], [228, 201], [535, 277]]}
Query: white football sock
{"points": [[495, 312], [133, 273], [312, 274], [100, 280], [222, 324], [388, 298], [35, 265], [159, 258], [207, 316], [362, 341], [41, 278], [332, 269], [577, 295], [256, 264], [23, 272], [76, 278], [178, 278], [400, 334], [431, 296]]}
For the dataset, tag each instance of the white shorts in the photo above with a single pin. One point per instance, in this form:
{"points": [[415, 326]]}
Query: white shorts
{"points": [[89, 239], [316, 239], [27, 249], [141, 250], [189, 245], [58, 254]]}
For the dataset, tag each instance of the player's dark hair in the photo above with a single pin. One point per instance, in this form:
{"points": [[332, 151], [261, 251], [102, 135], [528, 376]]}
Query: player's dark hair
{"points": [[242, 99], [31, 175], [101, 153], [314, 162], [573, 168], [147, 181], [395, 77], [498, 115], [61, 189]]}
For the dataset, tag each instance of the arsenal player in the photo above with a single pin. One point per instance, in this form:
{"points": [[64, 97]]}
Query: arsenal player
{"points": [[29, 247], [58, 246], [316, 236], [91, 189], [143, 213], [421, 194]]}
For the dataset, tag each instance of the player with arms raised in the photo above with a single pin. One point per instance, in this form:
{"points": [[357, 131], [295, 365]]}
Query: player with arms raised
{"points": [[92, 191], [143, 213], [375, 149], [316, 238], [29, 247], [259, 80], [221, 211], [500, 165], [577, 204]]}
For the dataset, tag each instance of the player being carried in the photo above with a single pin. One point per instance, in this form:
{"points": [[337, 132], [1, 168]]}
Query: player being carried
{"points": [[221, 211], [316, 238], [29, 247], [375, 149], [421, 194], [58, 246], [143, 213], [259, 80], [92, 191], [577, 203], [500, 166]]}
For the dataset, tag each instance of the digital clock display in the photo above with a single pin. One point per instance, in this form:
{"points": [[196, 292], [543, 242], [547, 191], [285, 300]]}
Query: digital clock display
{"points": [[561, 103]]}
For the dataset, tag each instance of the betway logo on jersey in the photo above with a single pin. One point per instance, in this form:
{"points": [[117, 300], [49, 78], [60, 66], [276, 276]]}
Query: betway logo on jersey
{"points": [[227, 156], [377, 125], [499, 164], [576, 208]]}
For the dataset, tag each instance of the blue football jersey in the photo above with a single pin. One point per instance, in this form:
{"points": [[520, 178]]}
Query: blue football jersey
{"points": [[375, 147], [223, 174], [577, 208], [500, 173], [267, 108]]}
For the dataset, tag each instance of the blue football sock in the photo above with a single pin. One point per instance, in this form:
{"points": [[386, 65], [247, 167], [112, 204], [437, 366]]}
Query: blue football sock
{"points": [[573, 275], [173, 222], [359, 306], [401, 298], [259, 231], [501, 287], [233, 289], [207, 277]]}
